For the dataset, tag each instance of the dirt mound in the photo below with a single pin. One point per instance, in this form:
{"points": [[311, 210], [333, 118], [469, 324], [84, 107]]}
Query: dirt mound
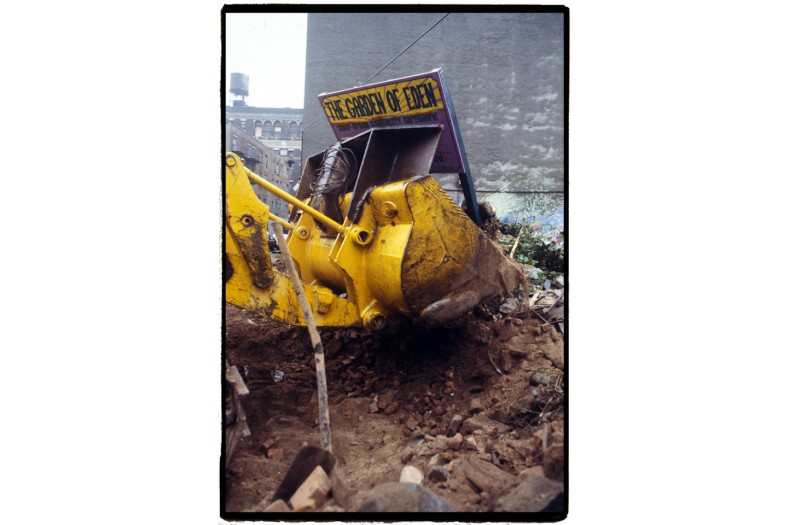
{"points": [[444, 399]]}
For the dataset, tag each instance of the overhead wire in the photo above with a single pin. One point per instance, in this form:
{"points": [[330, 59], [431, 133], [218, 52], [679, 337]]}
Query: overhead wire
{"points": [[322, 114], [403, 51], [343, 182]]}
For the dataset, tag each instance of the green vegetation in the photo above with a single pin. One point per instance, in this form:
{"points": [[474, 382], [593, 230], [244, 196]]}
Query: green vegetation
{"points": [[535, 250]]}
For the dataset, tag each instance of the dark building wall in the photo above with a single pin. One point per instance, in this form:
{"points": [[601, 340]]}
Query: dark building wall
{"points": [[505, 73]]}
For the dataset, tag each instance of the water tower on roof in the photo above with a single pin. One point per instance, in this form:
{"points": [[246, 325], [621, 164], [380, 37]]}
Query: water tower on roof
{"points": [[239, 86]]}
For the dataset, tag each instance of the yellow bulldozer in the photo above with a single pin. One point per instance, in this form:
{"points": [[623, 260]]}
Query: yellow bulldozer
{"points": [[372, 234]]}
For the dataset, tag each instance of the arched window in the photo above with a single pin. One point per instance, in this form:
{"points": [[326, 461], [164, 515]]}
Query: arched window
{"points": [[293, 129], [277, 129], [258, 129], [268, 129]]}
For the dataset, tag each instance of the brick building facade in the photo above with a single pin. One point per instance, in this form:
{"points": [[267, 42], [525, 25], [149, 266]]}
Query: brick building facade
{"points": [[267, 123], [275, 133], [274, 165]]}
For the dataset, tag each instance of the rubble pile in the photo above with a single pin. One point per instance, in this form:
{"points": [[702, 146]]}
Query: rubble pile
{"points": [[468, 418]]}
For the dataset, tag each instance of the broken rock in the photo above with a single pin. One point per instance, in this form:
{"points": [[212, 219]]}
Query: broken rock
{"points": [[454, 425], [476, 405], [518, 351], [473, 444], [440, 443], [439, 459], [486, 477], [533, 494], [437, 474], [302, 467], [387, 397], [553, 463], [411, 474], [267, 445], [403, 497], [277, 506], [454, 442], [508, 306], [339, 490], [484, 423], [313, 491], [407, 455], [555, 354]]}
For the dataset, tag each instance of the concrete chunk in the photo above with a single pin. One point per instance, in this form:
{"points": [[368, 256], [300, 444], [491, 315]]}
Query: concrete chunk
{"points": [[533, 494], [313, 491], [454, 442], [486, 477], [473, 444], [553, 463], [411, 474], [403, 497], [477, 405], [484, 423], [454, 425], [268, 444]]}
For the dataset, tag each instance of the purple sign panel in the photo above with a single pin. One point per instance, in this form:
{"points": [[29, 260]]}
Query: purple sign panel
{"points": [[419, 100]]}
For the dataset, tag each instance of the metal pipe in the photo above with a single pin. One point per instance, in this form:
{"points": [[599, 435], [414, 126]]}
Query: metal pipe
{"points": [[328, 221], [281, 221], [320, 361]]}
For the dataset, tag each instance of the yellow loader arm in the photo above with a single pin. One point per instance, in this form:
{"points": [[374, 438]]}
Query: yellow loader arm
{"points": [[250, 281], [378, 238]]}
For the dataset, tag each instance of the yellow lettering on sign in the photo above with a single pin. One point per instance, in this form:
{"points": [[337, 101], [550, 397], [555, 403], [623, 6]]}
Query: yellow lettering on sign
{"points": [[413, 97]]}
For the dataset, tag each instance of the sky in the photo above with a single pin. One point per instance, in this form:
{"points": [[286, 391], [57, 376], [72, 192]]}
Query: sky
{"points": [[270, 48]]}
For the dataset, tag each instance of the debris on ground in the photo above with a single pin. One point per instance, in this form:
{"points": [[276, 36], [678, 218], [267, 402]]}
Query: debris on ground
{"points": [[475, 440], [533, 494], [403, 497], [236, 426], [313, 492]]}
